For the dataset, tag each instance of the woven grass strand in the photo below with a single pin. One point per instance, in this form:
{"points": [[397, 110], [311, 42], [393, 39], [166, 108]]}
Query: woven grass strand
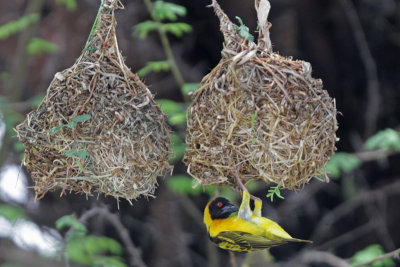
{"points": [[259, 112], [126, 137]]}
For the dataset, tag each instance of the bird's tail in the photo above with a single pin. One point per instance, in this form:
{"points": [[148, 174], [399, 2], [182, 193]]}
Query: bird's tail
{"points": [[298, 240]]}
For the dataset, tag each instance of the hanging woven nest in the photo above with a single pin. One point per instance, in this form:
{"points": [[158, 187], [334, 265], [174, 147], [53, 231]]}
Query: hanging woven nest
{"points": [[260, 114], [98, 128]]}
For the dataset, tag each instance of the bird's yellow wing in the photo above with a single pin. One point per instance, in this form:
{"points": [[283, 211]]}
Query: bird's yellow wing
{"points": [[243, 242]]}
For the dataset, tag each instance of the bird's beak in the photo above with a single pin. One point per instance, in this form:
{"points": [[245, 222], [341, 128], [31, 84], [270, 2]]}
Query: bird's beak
{"points": [[229, 208]]}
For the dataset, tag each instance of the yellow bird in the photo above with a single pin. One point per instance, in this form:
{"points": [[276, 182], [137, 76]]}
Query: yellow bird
{"points": [[248, 231]]}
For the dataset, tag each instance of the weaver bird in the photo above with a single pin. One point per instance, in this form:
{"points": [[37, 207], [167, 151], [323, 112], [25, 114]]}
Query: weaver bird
{"points": [[247, 231]]}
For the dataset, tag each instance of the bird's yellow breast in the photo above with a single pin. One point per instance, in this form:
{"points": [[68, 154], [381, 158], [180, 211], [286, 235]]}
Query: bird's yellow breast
{"points": [[234, 224]]}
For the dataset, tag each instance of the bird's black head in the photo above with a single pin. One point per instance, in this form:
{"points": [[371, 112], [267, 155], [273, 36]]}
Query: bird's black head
{"points": [[221, 208]]}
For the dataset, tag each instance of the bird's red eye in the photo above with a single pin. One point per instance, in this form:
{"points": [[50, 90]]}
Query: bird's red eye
{"points": [[219, 204]]}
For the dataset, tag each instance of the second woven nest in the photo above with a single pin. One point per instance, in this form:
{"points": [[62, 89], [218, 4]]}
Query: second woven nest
{"points": [[261, 114], [98, 128]]}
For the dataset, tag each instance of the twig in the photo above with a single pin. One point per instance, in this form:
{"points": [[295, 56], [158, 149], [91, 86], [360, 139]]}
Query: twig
{"points": [[133, 251], [374, 97], [93, 85], [375, 154], [322, 257], [348, 236], [232, 259], [395, 254], [343, 209]]}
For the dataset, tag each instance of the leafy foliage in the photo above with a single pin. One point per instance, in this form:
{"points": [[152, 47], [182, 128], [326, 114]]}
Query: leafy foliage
{"points": [[87, 249], [385, 139], [176, 28], [71, 5], [342, 161], [370, 253], [176, 111], [16, 26], [274, 190], [69, 221], [243, 30], [178, 148], [164, 10], [155, 66], [38, 46], [142, 29], [12, 213]]}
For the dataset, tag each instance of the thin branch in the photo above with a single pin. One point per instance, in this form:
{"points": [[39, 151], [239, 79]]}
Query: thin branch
{"points": [[337, 213], [373, 94], [322, 257], [375, 154], [395, 254], [134, 252]]}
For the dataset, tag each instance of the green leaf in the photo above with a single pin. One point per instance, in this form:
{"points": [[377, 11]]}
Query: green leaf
{"points": [[54, 130], [274, 190], [155, 66], [71, 222], [77, 153], [178, 148], [37, 46], [12, 213], [243, 30], [168, 106], [142, 29], [341, 161], [189, 87], [385, 139], [370, 253], [71, 5], [81, 118], [176, 28], [16, 26], [183, 185], [88, 249], [164, 10], [177, 119]]}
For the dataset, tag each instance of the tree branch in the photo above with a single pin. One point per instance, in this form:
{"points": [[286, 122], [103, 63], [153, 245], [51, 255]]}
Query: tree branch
{"points": [[373, 95]]}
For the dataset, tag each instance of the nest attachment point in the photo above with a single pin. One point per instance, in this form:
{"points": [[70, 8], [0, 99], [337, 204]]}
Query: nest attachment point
{"points": [[98, 128], [259, 113]]}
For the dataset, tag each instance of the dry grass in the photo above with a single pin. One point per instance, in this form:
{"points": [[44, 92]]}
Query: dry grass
{"points": [[259, 112], [126, 136]]}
